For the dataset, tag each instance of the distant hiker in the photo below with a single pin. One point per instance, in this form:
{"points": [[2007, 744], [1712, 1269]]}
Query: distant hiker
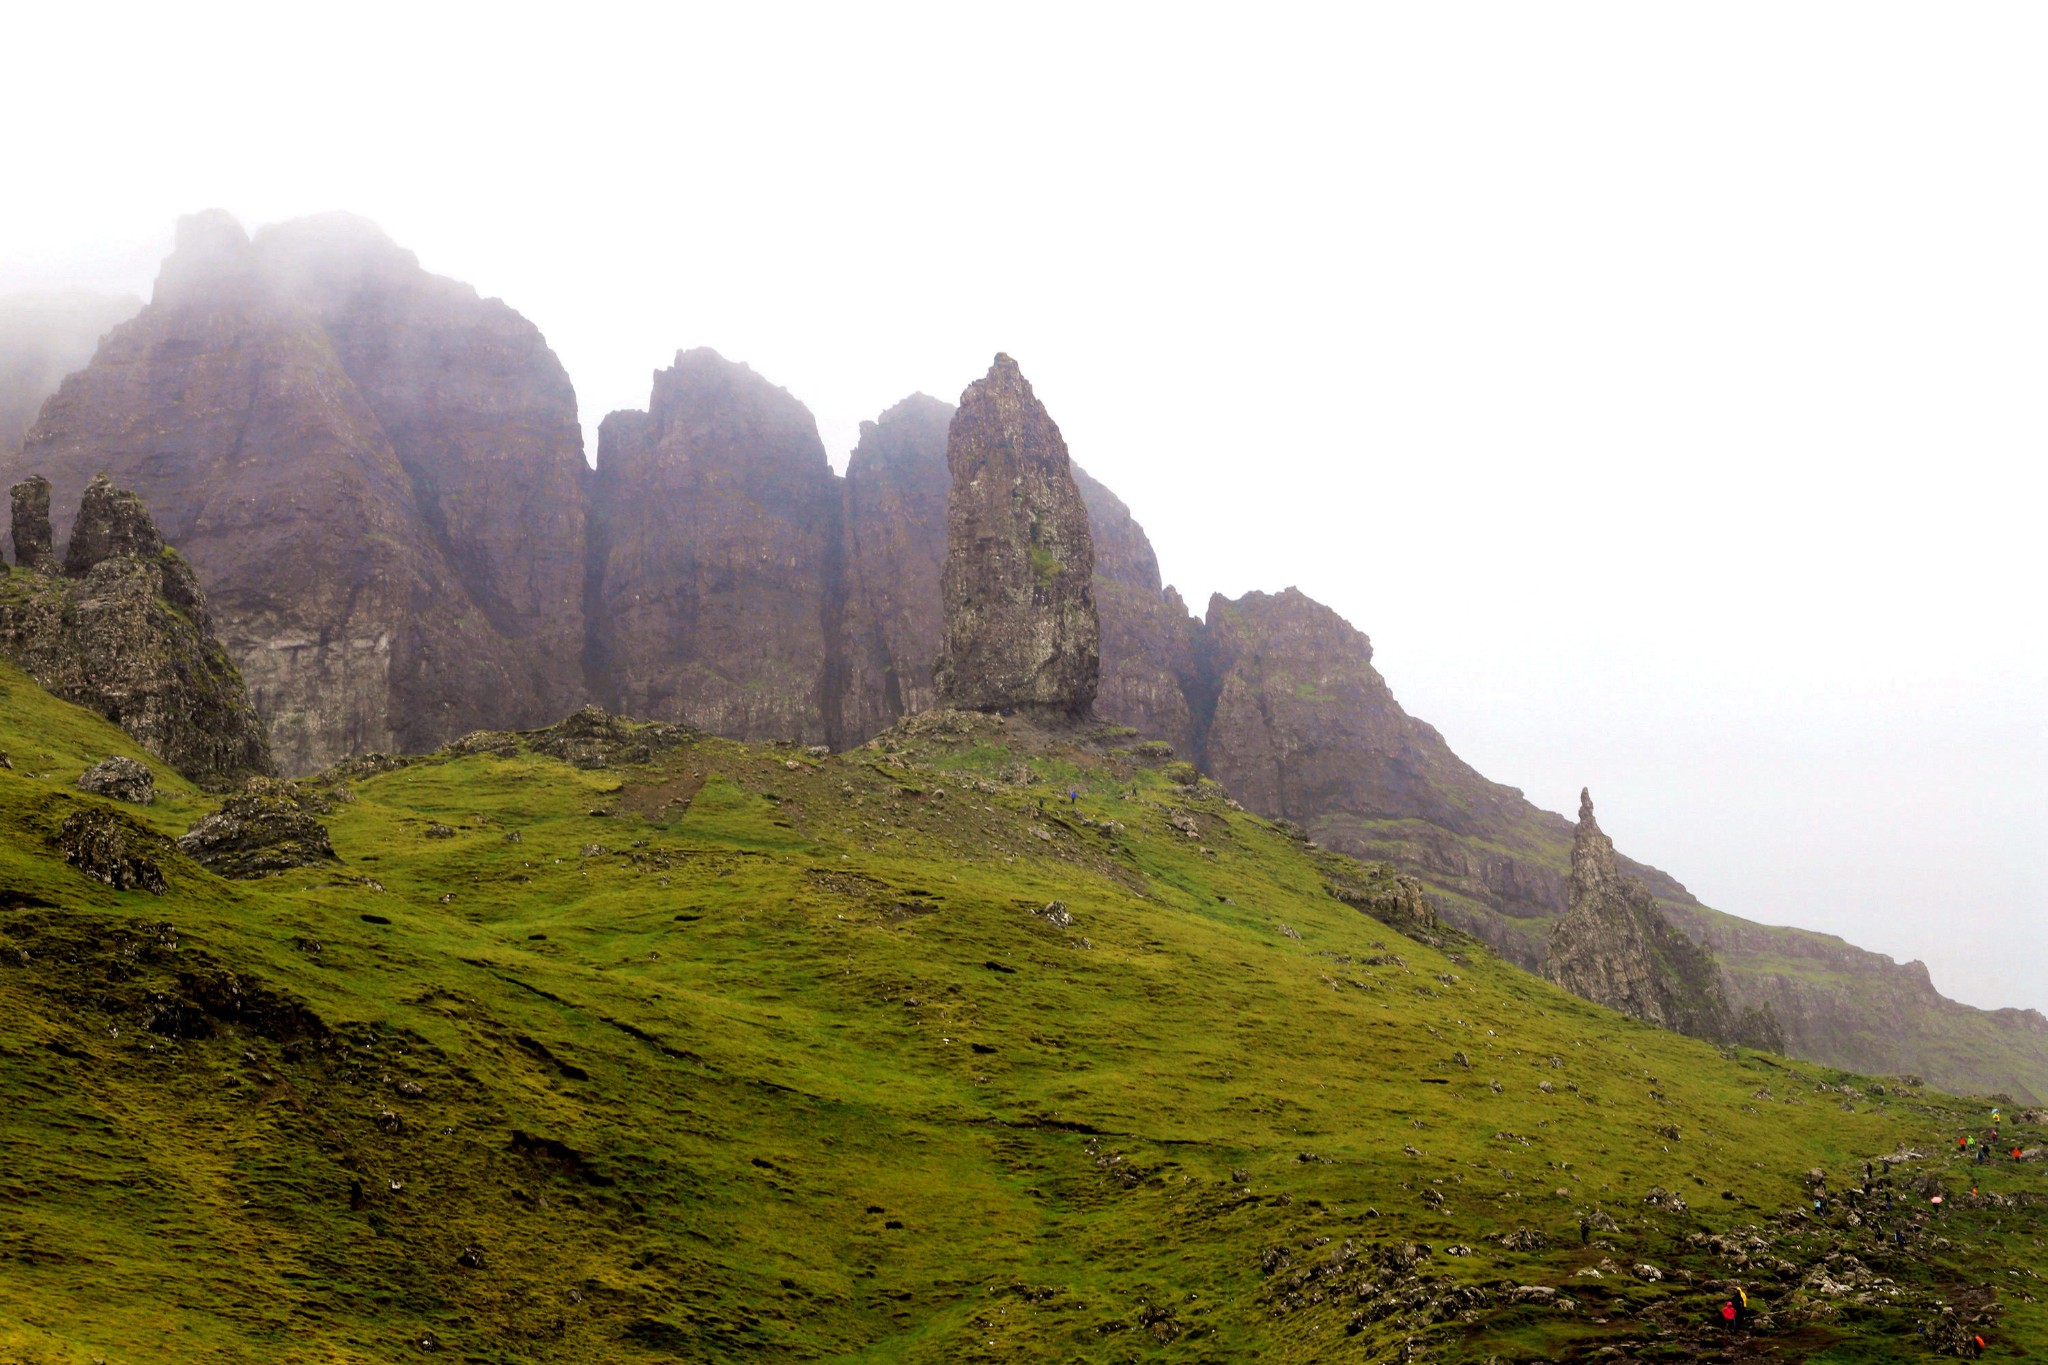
{"points": [[1900, 1234], [1868, 1173], [1585, 1231], [356, 1199], [1728, 1314], [1073, 795], [1887, 1201], [1741, 1305]]}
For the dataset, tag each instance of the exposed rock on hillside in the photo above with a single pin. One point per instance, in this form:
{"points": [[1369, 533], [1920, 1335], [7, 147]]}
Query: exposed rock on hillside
{"points": [[29, 506], [124, 631], [112, 848], [1615, 948], [374, 472], [1021, 632], [269, 828], [120, 779], [715, 553]]}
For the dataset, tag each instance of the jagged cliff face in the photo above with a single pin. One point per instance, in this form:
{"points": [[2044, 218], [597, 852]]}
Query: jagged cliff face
{"points": [[44, 337], [340, 581], [895, 499], [1149, 665], [716, 557], [482, 418], [1018, 588], [122, 629], [1613, 947]]}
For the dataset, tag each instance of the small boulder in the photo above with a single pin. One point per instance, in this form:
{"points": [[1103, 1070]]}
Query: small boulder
{"points": [[121, 779], [265, 829], [110, 847]]}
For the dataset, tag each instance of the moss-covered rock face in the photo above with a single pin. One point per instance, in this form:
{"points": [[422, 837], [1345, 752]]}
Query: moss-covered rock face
{"points": [[124, 631], [1021, 631]]}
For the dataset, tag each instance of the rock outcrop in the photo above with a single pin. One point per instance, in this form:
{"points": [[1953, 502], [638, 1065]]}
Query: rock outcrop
{"points": [[1614, 947], [715, 553], [1018, 588], [29, 509], [271, 827], [375, 473], [124, 630], [110, 847]]}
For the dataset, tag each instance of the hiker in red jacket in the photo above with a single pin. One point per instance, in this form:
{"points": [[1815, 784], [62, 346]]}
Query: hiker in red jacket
{"points": [[1728, 1314]]}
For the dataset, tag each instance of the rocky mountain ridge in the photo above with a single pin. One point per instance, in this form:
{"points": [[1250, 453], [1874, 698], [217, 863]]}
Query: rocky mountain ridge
{"points": [[378, 477]]}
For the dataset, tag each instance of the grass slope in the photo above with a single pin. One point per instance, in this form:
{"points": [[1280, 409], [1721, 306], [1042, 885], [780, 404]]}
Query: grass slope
{"points": [[749, 1053]]}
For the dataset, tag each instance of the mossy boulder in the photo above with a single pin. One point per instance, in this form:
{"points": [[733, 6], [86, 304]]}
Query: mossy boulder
{"points": [[267, 829], [121, 779]]}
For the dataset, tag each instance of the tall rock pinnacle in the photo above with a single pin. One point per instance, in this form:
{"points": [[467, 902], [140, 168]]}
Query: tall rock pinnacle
{"points": [[1615, 948], [1021, 631]]}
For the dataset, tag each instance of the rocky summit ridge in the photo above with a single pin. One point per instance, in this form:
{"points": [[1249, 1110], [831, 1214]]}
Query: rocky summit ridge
{"points": [[378, 477]]}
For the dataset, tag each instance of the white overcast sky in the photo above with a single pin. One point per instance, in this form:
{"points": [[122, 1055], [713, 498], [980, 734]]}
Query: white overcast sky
{"points": [[1660, 386]]}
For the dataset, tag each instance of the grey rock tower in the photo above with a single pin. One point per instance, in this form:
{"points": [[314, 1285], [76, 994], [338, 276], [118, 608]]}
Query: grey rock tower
{"points": [[1021, 633]]}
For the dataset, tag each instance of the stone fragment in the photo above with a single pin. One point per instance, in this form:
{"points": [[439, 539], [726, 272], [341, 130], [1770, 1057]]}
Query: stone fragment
{"points": [[1021, 630], [122, 779]]}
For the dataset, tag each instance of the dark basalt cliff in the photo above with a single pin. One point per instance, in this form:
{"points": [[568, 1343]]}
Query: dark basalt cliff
{"points": [[384, 574], [896, 486], [716, 552], [1149, 664], [1018, 588], [122, 629]]}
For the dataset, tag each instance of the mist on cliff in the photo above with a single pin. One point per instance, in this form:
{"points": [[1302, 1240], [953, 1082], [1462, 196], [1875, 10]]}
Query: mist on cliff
{"points": [[1657, 388]]}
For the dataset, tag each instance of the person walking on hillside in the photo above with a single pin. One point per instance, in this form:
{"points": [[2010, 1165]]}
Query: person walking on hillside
{"points": [[1741, 1306], [1728, 1315]]}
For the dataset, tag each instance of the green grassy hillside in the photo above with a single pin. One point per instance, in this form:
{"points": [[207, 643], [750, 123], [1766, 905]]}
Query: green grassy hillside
{"points": [[742, 1052]]}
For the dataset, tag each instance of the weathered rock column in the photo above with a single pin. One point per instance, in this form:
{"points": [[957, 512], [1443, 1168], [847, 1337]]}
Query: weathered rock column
{"points": [[31, 510], [1021, 633]]}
